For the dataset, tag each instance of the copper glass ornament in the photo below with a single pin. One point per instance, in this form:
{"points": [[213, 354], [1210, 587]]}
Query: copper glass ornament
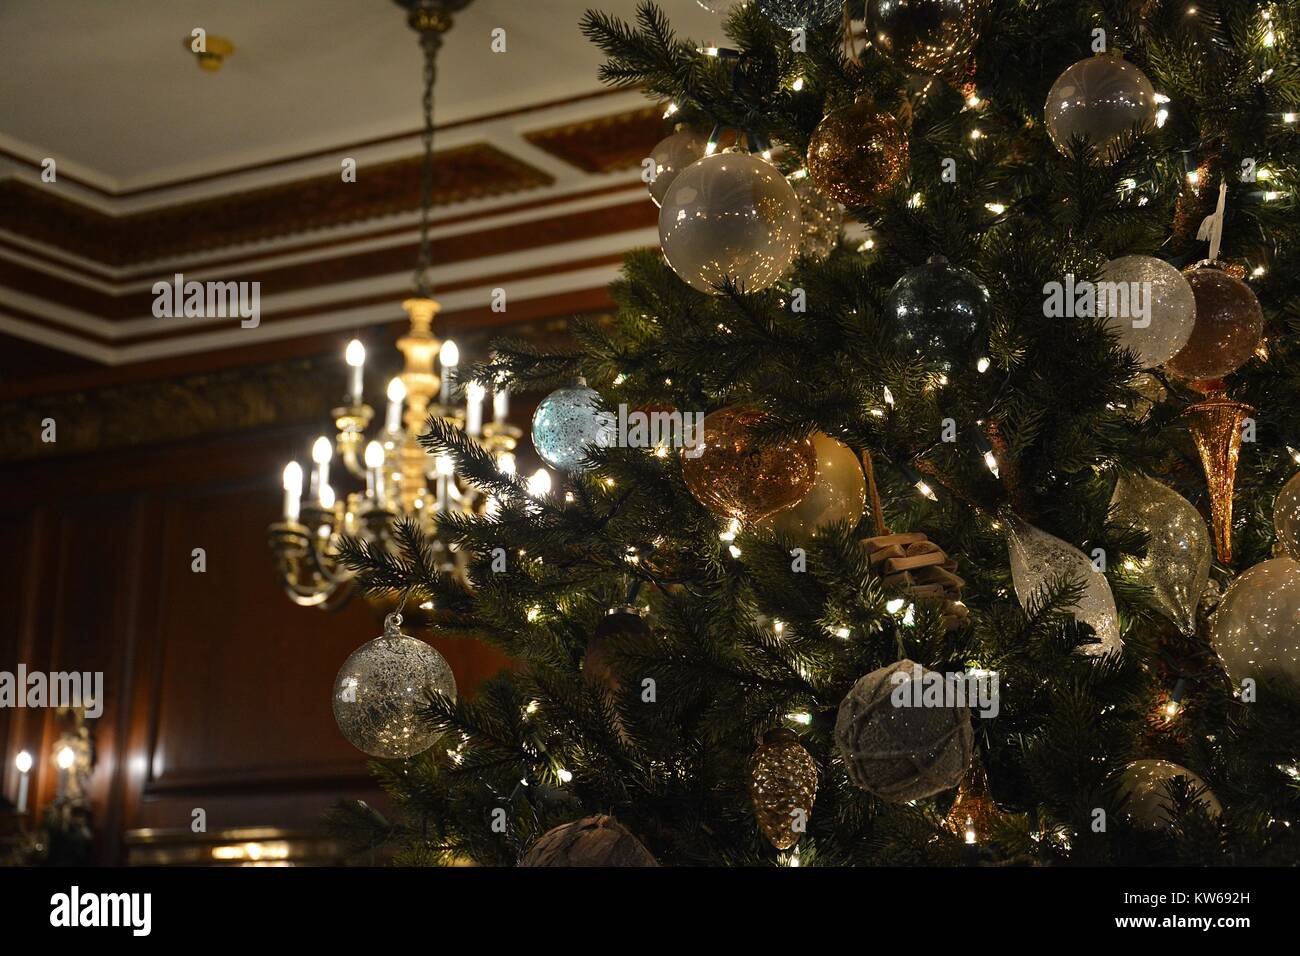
{"points": [[933, 36], [783, 786], [1215, 425], [857, 153], [1229, 324], [736, 477], [973, 812], [1100, 98]]}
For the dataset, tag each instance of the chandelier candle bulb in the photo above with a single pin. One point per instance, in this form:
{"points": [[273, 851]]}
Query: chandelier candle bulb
{"points": [[474, 394], [500, 404], [375, 471], [396, 398], [24, 764], [356, 358], [292, 491], [449, 356], [321, 453]]}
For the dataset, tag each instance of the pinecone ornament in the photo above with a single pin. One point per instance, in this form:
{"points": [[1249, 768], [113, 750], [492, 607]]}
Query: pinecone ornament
{"points": [[783, 786], [911, 562], [592, 841]]}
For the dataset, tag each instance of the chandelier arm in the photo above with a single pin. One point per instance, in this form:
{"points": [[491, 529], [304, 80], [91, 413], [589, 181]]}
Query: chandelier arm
{"points": [[430, 42]]}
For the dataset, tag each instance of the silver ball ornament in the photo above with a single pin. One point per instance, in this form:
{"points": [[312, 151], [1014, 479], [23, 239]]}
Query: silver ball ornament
{"points": [[670, 156], [800, 14], [730, 216], [823, 218], [382, 686], [1286, 517], [567, 423], [1100, 98], [1144, 783]]}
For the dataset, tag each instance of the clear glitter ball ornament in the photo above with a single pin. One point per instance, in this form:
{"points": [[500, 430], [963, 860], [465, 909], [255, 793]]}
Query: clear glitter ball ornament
{"points": [[823, 218], [567, 423], [800, 14], [381, 687]]}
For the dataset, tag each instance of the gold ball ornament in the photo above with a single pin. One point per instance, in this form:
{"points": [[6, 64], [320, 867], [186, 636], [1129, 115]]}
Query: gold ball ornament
{"points": [[895, 747], [1286, 517], [932, 36], [1100, 98], [1257, 624], [1229, 324], [1144, 783], [592, 841], [783, 786], [730, 216], [735, 476], [839, 493], [858, 153]]}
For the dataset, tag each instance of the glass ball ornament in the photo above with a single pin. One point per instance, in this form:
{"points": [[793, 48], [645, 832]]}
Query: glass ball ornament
{"points": [[1038, 558], [730, 216], [1229, 324], [1160, 334], [926, 35], [721, 7], [381, 688], [939, 309], [839, 493], [858, 153], [801, 14], [567, 423], [1257, 624], [1177, 563], [736, 476], [823, 218], [1100, 98], [671, 155], [1149, 806], [1286, 517]]}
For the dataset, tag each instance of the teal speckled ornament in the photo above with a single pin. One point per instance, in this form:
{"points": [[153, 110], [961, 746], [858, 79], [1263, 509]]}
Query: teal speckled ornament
{"points": [[567, 423]]}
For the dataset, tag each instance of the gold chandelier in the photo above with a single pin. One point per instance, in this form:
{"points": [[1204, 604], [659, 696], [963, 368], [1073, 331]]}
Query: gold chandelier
{"points": [[397, 478]]}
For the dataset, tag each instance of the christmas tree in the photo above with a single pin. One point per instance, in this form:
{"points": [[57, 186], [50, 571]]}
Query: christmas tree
{"points": [[987, 549]]}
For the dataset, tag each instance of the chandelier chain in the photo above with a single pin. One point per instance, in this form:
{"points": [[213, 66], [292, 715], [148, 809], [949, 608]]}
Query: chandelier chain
{"points": [[430, 41]]}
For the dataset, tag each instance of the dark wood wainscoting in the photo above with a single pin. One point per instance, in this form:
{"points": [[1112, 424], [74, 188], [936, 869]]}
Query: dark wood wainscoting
{"points": [[216, 687]]}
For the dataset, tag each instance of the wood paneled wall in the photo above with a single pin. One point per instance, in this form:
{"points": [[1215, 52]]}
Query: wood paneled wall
{"points": [[217, 688]]}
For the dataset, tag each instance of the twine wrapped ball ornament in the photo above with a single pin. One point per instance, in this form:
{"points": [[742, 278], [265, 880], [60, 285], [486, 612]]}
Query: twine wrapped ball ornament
{"points": [[783, 786], [598, 840], [896, 749]]}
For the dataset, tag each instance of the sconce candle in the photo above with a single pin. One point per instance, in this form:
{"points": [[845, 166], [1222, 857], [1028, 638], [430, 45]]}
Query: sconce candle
{"points": [[474, 394], [24, 764]]}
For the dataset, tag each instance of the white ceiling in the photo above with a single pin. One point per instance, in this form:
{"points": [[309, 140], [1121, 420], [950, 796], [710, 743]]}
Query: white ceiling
{"points": [[107, 89]]}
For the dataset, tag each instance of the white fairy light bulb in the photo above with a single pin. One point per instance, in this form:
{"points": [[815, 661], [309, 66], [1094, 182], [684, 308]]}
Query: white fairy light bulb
{"points": [[539, 483]]}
